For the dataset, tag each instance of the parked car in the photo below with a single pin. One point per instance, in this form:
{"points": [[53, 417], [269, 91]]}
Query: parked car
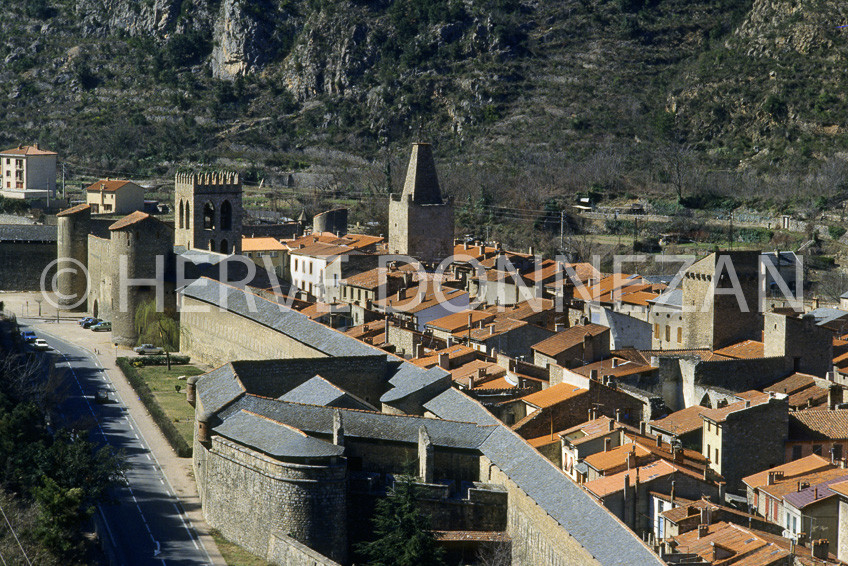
{"points": [[83, 320], [148, 349], [102, 327], [88, 323], [28, 336], [40, 344], [101, 397]]}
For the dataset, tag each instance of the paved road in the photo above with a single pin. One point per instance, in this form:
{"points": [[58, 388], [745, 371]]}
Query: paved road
{"points": [[148, 524]]}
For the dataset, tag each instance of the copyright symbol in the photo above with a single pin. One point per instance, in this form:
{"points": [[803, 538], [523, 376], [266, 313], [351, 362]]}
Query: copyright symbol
{"points": [[77, 268]]}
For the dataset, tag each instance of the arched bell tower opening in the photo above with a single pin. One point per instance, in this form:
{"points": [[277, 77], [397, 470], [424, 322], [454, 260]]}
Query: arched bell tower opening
{"points": [[210, 211]]}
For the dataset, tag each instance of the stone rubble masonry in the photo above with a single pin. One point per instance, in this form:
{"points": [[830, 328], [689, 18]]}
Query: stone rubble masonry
{"points": [[192, 192], [72, 239], [249, 496], [283, 549]]}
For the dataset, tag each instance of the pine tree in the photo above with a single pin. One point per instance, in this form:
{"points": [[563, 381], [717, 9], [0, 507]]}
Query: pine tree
{"points": [[403, 532]]}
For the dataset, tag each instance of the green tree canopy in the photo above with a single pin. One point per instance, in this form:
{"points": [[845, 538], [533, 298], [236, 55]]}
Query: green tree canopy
{"points": [[403, 531]]}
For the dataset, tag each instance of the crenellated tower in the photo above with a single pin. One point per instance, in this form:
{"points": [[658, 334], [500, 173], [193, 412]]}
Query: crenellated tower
{"points": [[208, 211]]}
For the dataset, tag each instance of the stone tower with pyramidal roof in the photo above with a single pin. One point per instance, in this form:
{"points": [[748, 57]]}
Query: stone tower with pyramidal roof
{"points": [[420, 221]]}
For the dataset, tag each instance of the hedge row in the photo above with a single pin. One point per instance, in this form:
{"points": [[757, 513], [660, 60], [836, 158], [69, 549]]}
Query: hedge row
{"points": [[167, 427], [161, 360]]}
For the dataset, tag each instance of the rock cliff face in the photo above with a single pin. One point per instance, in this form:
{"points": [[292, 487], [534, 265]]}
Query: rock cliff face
{"points": [[243, 37], [101, 18]]}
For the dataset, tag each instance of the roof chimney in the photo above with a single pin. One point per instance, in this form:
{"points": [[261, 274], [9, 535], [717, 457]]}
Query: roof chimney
{"points": [[593, 374], [444, 360], [706, 513], [703, 530], [615, 362], [607, 444], [643, 426], [820, 548], [659, 441], [618, 415], [611, 425], [491, 329]]}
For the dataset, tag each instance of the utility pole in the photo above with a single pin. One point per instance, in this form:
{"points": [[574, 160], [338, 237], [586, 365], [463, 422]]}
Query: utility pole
{"points": [[561, 230], [730, 235], [63, 181]]}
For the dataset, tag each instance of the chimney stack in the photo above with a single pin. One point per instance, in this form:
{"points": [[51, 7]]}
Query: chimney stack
{"points": [[821, 548], [703, 530], [659, 441], [444, 361], [834, 396], [618, 415], [643, 427], [611, 425], [607, 444]]}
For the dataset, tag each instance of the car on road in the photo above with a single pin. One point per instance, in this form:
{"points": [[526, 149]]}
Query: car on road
{"points": [[28, 336], [101, 397], [89, 322], [102, 327], [40, 344], [148, 349]]}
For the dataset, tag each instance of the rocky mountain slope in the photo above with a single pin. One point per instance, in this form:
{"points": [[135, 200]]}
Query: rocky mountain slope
{"points": [[558, 95]]}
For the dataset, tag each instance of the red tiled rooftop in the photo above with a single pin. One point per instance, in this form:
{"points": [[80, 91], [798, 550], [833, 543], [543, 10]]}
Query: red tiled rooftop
{"points": [[108, 186], [746, 350], [553, 395], [568, 338], [803, 466]]}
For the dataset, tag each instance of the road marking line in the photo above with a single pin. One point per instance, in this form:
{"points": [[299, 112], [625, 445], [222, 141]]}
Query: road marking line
{"points": [[161, 481], [180, 515], [148, 456]]}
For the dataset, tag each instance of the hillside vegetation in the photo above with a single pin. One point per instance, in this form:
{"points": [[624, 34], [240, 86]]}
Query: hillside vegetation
{"points": [[701, 102]]}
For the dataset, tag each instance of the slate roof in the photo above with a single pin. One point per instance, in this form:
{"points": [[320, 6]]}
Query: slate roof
{"points": [[28, 233], [319, 391], [827, 315], [814, 493], [278, 317], [274, 438], [219, 387], [314, 419], [608, 540], [592, 526], [410, 379], [818, 424], [454, 405], [669, 299]]}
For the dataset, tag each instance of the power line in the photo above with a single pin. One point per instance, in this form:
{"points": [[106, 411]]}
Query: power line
{"points": [[15, 535]]}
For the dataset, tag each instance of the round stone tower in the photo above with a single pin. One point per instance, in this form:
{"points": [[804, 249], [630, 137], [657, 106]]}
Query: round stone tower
{"points": [[139, 250], [72, 253]]}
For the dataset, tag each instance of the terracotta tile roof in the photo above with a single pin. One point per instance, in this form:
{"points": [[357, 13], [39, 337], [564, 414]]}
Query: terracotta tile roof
{"points": [[786, 486], [810, 424], [622, 369], [458, 321], [813, 396], [523, 310], [617, 457], [553, 395], [74, 209], [754, 398], [735, 541], [583, 273], [108, 186], [27, 150], [568, 338], [589, 428], [548, 268], [746, 350], [705, 355], [792, 384], [677, 514], [462, 373], [682, 421], [803, 466], [454, 352], [367, 328], [691, 459], [496, 328], [606, 485], [545, 440], [129, 220], [640, 298], [841, 488], [373, 278], [261, 244], [409, 301], [498, 383], [476, 252], [320, 249]]}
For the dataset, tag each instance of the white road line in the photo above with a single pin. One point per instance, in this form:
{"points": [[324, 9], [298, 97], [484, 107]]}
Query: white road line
{"points": [[171, 492], [161, 481], [148, 456]]}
